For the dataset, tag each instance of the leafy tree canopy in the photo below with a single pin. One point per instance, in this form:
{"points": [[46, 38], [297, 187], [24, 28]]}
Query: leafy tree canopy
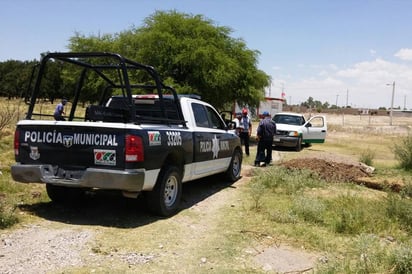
{"points": [[14, 76], [191, 54]]}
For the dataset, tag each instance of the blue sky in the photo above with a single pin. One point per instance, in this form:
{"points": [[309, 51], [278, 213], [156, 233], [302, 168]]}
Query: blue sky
{"points": [[343, 52]]}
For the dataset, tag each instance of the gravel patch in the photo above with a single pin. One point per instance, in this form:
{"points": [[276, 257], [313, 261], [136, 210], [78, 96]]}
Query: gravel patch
{"points": [[39, 249], [286, 259]]}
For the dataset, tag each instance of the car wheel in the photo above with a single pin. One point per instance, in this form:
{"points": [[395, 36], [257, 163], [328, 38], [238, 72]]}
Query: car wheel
{"points": [[235, 167], [299, 144], [164, 199]]}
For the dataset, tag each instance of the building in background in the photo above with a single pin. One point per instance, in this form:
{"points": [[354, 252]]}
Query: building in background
{"points": [[269, 104]]}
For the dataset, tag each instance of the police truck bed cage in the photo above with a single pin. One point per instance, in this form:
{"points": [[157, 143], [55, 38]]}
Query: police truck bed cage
{"points": [[98, 77]]}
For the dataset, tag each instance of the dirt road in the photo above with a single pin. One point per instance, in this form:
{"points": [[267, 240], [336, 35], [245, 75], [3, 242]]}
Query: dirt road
{"points": [[111, 234]]}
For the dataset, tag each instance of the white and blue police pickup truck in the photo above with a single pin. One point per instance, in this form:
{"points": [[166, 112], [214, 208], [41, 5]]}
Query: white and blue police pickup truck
{"points": [[138, 136]]}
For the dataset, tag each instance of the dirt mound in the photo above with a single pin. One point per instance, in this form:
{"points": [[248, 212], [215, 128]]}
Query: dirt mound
{"points": [[329, 170]]}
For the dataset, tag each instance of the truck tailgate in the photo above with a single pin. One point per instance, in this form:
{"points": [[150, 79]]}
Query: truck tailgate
{"points": [[70, 146]]}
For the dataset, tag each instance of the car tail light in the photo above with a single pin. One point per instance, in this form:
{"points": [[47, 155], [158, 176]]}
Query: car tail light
{"points": [[134, 151], [16, 142]]}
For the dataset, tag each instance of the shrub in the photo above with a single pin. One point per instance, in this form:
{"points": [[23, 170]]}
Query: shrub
{"points": [[309, 209], [8, 112], [403, 152], [406, 189], [7, 216], [369, 254], [401, 259], [351, 214], [257, 190], [367, 157], [289, 181], [399, 209]]}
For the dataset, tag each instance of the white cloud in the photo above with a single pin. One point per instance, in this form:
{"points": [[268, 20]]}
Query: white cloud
{"points": [[372, 72], [363, 84], [404, 54], [372, 52]]}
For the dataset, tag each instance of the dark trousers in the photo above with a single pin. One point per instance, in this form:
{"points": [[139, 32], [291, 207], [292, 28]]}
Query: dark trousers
{"points": [[261, 156], [59, 117], [244, 137]]}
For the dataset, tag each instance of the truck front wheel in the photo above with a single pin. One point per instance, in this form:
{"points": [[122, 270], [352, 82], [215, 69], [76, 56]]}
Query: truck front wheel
{"points": [[164, 199]]}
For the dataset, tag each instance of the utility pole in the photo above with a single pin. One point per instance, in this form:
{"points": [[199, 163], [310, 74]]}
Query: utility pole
{"points": [[347, 97], [393, 96], [404, 102]]}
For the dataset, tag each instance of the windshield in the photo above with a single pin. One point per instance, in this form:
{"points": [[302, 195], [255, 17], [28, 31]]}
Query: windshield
{"points": [[289, 119]]}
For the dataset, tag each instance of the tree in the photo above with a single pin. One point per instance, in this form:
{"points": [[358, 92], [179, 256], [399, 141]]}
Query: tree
{"points": [[191, 54], [14, 77]]}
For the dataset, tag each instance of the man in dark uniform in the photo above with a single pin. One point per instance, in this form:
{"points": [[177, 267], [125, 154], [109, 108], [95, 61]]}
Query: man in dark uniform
{"points": [[265, 132]]}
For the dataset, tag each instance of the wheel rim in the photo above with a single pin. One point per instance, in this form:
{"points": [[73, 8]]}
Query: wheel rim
{"points": [[171, 190], [236, 165]]}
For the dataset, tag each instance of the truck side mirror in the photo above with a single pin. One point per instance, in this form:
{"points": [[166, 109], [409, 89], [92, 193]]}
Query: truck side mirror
{"points": [[231, 125]]}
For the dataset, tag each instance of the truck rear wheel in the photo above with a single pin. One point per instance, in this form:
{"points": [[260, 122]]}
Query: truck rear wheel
{"points": [[235, 167], [164, 199]]}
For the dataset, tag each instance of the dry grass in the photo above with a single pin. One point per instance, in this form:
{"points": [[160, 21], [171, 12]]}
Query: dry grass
{"points": [[206, 236]]}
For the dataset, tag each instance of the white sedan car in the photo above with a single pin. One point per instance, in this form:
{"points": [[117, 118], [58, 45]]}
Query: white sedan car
{"points": [[292, 130]]}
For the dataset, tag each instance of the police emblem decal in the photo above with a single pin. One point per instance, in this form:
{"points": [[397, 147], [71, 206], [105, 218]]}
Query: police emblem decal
{"points": [[67, 141], [34, 153]]}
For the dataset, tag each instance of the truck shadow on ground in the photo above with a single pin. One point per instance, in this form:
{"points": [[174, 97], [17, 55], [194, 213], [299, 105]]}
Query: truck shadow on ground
{"points": [[111, 209]]}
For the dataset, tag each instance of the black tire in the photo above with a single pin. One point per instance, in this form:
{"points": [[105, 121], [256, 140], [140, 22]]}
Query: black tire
{"points": [[164, 199], [235, 167], [299, 144], [61, 194]]}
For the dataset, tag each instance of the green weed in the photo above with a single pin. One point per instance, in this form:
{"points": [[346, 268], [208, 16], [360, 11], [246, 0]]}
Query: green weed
{"points": [[403, 152], [400, 210], [367, 156], [401, 259], [309, 209]]}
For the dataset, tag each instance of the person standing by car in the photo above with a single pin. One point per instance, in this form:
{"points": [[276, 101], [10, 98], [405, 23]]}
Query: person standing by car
{"points": [[245, 125], [237, 123], [59, 111], [265, 132]]}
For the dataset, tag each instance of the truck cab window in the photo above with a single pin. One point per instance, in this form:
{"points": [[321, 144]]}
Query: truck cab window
{"points": [[207, 117], [200, 115], [215, 119]]}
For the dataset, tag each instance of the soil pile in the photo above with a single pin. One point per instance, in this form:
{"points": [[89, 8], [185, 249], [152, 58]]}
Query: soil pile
{"points": [[330, 171]]}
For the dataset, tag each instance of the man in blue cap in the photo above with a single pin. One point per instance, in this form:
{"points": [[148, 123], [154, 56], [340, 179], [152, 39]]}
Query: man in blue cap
{"points": [[59, 111], [265, 132]]}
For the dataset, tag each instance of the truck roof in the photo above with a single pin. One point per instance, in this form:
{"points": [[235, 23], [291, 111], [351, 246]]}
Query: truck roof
{"points": [[95, 77]]}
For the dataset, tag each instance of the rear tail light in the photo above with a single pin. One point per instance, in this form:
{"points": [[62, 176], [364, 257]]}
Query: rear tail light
{"points": [[16, 142], [134, 151]]}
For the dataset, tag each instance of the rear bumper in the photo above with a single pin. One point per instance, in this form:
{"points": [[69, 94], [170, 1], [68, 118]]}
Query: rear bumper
{"points": [[128, 180]]}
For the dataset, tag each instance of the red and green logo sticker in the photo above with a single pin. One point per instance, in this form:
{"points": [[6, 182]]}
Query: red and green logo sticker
{"points": [[155, 139], [104, 157]]}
